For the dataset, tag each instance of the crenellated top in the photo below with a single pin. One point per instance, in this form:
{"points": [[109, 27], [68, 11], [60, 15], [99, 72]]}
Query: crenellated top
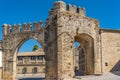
{"points": [[25, 27], [60, 6]]}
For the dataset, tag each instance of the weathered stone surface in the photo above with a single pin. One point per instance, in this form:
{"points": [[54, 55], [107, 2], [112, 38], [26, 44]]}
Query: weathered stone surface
{"points": [[110, 41], [11, 43], [63, 27], [68, 24]]}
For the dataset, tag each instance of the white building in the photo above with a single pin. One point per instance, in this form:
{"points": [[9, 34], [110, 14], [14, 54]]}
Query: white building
{"points": [[0, 58]]}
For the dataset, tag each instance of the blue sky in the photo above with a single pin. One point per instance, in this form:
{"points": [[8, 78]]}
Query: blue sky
{"points": [[20, 11]]}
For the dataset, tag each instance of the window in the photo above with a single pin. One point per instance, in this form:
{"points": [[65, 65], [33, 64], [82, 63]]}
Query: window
{"points": [[33, 57], [11, 31], [20, 58], [44, 70], [40, 57], [19, 63], [24, 70], [34, 70], [106, 64], [33, 62]]}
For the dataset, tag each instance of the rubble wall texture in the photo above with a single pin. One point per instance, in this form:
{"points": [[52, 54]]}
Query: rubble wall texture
{"points": [[64, 26], [110, 41]]}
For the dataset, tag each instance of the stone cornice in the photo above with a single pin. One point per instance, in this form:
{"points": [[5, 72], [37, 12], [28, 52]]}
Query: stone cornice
{"points": [[109, 30]]}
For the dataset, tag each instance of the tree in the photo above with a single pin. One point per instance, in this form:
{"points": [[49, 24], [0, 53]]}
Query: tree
{"points": [[35, 47]]}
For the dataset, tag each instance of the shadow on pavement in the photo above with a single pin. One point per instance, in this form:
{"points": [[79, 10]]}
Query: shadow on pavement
{"points": [[116, 69]]}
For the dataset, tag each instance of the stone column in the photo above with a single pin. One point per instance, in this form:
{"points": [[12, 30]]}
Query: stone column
{"points": [[50, 54], [97, 62], [8, 66], [65, 57]]}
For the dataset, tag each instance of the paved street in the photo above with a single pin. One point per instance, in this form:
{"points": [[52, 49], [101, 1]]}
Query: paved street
{"points": [[108, 76]]}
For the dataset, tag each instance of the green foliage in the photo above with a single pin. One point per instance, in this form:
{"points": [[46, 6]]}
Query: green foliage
{"points": [[35, 47]]}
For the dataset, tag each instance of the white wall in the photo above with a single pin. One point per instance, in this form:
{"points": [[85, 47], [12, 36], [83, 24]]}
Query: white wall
{"points": [[0, 58]]}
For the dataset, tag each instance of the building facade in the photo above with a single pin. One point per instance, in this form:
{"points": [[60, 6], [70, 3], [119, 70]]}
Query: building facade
{"points": [[31, 62]]}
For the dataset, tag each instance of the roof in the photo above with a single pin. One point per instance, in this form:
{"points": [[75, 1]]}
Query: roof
{"points": [[34, 53]]}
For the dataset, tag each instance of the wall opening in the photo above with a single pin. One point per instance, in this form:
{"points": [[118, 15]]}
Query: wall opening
{"points": [[84, 55], [79, 53], [30, 59]]}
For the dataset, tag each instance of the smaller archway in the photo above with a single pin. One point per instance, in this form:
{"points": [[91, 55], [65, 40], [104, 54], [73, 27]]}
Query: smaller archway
{"points": [[29, 61], [85, 54]]}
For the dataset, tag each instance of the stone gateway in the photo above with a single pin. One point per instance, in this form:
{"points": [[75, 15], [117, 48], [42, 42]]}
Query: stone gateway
{"points": [[100, 48]]}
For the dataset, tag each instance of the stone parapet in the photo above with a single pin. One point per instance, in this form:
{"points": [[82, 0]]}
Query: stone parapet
{"points": [[8, 29], [60, 6]]}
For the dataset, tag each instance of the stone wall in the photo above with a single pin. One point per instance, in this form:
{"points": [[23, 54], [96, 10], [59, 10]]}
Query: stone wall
{"points": [[62, 26], [110, 51], [12, 40]]}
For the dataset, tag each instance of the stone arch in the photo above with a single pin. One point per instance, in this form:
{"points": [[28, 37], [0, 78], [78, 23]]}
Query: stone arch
{"points": [[15, 51], [20, 43], [10, 51], [61, 65], [86, 56]]}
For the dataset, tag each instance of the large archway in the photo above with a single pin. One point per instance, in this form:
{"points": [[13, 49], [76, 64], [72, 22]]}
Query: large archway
{"points": [[85, 54], [63, 27]]}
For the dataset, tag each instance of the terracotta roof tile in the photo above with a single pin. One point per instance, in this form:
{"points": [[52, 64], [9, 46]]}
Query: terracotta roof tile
{"points": [[34, 53]]}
